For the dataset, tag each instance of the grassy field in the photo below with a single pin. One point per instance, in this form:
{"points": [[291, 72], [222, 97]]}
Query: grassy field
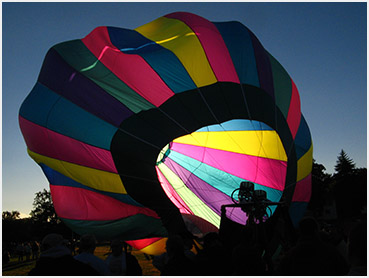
{"points": [[21, 269]]}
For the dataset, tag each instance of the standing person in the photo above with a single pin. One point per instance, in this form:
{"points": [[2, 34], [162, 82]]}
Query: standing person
{"points": [[178, 263], [117, 259], [35, 250], [27, 251], [86, 255], [20, 251], [56, 260]]}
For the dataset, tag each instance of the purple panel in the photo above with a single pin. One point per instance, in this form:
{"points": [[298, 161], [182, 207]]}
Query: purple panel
{"points": [[58, 76], [263, 66], [212, 197]]}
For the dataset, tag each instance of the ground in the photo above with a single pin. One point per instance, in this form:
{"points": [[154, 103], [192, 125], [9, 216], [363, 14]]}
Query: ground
{"points": [[13, 268]]}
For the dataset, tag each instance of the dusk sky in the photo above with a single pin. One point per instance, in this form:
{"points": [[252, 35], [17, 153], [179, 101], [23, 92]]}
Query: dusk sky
{"points": [[323, 47]]}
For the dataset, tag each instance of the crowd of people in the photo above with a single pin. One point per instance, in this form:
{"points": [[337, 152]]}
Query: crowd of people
{"points": [[315, 252], [56, 259], [24, 251]]}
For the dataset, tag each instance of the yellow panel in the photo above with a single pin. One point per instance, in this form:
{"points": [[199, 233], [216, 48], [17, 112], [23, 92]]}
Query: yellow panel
{"points": [[157, 248], [305, 164], [176, 36], [192, 201], [97, 179], [262, 143]]}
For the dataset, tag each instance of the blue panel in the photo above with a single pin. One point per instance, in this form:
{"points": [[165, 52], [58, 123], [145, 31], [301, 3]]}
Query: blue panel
{"points": [[303, 138], [55, 178], [297, 211], [36, 107], [161, 60], [238, 41], [234, 125], [48, 109]]}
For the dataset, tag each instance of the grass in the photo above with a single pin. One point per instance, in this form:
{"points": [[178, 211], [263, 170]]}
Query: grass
{"points": [[13, 268]]}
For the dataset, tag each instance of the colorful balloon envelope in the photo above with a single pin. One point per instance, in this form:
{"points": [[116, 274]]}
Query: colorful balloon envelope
{"points": [[135, 128]]}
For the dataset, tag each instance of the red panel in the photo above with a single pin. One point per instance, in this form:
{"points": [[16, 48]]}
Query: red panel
{"points": [[302, 190], [142, 243], [81, 204], [130, 68], [51, 144], [294, 112]]}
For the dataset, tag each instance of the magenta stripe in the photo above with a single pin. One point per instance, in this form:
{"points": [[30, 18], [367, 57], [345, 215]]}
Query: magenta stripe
{"points": [[268, 172], [302, 190], [81, 204], [213, 45], [130, 68], [294, 112], [172, 194], [51, 144]]}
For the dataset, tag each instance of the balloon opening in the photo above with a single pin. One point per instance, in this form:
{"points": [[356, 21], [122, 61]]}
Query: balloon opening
{"points": [[199, 171]]}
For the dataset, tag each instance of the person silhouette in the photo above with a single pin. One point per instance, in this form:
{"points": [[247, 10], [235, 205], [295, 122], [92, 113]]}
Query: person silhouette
{"points": [[56, 260], [311, 256], [86, 255], [357, 250], [178, 263]]}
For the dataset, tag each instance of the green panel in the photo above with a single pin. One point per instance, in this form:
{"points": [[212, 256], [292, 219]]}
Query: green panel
{"points": [[134, 227], [282, 86], [77, 55]]}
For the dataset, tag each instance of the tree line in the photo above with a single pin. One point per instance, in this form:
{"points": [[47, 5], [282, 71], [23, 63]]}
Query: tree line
{"points": [[345, 190]]}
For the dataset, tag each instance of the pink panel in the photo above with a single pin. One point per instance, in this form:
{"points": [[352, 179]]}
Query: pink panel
{"points": [[213, 44], [294, 112], [302, 190], [172, 194], [130, 68], [264, 171], [51, 144], [81, 204]]}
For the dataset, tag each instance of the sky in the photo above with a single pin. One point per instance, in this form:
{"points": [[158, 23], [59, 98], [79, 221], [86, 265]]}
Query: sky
{"points": [[322, 46]]}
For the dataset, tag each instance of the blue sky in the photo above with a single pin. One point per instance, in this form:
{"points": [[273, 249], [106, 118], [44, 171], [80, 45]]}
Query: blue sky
{"points": [[321, 45]]}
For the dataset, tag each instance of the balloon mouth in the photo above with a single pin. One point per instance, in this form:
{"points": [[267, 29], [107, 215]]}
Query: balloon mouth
{"points": [[199, 171]]}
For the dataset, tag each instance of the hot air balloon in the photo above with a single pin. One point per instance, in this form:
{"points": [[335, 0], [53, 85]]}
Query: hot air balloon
{"points": [[141, 131]]}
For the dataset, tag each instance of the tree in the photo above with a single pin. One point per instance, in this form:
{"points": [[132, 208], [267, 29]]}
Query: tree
{"points": [[14, 215], [44, 211], [350, 187], [345, 165], [320, 190]]}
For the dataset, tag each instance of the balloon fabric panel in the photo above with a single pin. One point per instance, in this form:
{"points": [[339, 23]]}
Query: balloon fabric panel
{"points": [[82, 204], [46, 142], [171, 193], [79, 57], [177, 37], [128, 68], [56, 178], [213, 45], [294, 112], [241, 50], [161, 60], [64, 80], [100, 180]]}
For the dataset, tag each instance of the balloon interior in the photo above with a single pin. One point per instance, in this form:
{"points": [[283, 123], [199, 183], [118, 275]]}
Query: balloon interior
{"points": [[147, 132]]}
